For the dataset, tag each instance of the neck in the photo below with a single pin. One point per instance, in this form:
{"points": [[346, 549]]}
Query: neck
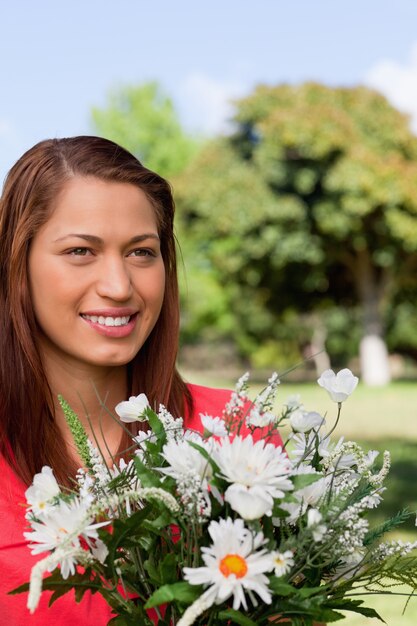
{"points": [[92, 394]]}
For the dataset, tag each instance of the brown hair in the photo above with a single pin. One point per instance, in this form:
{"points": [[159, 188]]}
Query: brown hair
{"points": [[29, 436]]}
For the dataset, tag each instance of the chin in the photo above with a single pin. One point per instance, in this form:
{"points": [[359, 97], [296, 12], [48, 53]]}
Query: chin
{"points": [[113, 360]]}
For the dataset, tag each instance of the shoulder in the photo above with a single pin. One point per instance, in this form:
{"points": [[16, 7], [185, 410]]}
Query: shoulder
{"points": [[208, 400], [212, 401], [209, 397]]}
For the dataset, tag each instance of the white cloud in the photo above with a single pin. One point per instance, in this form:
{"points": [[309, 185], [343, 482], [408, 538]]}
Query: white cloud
{"points": [[205, 104], [398, 83]]}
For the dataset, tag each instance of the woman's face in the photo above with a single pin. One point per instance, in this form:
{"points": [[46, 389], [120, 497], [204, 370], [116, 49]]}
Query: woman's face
{"points": [[96, 274]]}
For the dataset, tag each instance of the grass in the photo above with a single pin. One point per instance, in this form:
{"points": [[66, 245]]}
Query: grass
{"points": [[390, 608], [380, 419]]}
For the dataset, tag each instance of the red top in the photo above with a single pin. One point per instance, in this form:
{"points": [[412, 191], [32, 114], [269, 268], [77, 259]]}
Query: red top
{"points": [[16, 560]]}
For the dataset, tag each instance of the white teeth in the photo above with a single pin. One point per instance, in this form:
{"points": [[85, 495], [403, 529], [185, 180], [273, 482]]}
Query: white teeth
{"points": [[108, 321]]}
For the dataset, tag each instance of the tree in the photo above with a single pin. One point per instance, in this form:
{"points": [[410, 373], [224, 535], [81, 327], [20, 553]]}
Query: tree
{"points": [[143, 120], [311, 202]]}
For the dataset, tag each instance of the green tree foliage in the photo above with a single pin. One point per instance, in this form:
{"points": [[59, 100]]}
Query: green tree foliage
{"points": [[143, 120], [311, 203]]}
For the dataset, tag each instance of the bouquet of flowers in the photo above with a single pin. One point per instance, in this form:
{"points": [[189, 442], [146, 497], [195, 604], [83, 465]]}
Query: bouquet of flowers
{"points": [[223, 526]]}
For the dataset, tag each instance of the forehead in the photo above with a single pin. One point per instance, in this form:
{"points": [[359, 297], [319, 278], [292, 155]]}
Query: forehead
{"points": [[92, 201]]}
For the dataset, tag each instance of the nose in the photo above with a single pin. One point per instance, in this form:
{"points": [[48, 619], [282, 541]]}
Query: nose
{"points": [[114, 280]]}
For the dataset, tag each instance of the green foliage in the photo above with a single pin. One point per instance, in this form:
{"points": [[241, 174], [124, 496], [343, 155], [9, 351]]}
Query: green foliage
{"points": [[143, 120], [310, 204], [179, 591]]}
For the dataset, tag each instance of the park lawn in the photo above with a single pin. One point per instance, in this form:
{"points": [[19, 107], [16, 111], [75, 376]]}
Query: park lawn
{"points": [[390, 608], [377, 418], [369, 414]]}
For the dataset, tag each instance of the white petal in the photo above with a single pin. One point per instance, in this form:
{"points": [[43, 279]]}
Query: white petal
{"points": [[249, 502]]}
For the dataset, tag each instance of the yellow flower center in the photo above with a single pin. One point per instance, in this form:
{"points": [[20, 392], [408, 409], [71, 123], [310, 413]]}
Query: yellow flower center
{"points": [[233, 564]]}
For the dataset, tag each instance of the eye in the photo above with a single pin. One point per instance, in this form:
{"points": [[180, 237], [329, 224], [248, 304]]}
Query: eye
{"points": [[79, 251], [144, 252]]}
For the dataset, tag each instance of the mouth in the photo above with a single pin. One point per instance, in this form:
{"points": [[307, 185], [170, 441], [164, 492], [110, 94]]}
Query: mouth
{"points": [[109, 320]]}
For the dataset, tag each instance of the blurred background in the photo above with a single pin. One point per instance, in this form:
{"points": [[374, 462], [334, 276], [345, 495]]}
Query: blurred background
{"points": [[288, 133]]}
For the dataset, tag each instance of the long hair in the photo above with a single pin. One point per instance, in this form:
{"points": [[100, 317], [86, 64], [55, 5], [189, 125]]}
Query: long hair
{"points": [[29, 435]]}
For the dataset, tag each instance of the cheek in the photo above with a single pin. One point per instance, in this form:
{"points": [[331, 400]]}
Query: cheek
{"points": [[48, 285], [159, 287]]}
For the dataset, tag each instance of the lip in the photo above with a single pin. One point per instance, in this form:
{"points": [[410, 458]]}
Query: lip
{"points": [[115, 332], [111, 312]]}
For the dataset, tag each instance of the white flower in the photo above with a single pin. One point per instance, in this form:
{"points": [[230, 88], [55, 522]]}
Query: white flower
{"points": [[132, 410], [305, 444], [259, 419], [314, 518], [339, 386], [66, 525], [302, 421], [349, 565], [259, 472], [233, 564], [283, 562], [141, 438], [184, 460], [374, 499], [43, 490], [249, 502], [213, 425], [173, 426], [305, 497]]}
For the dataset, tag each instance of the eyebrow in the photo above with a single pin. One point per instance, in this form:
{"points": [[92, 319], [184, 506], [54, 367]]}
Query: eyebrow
{"points": [[98, 240]]}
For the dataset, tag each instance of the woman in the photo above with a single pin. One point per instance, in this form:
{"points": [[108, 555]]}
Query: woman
{"points": [[89, 310]]}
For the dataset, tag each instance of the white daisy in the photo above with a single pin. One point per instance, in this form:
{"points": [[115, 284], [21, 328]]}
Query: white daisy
{"points": [[233, 565], [183, 459], [283, 562], [259, 472], [68, 524]]}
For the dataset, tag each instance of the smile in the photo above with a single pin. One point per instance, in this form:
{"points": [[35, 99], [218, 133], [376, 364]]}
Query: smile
{"points": [[107, 320]]}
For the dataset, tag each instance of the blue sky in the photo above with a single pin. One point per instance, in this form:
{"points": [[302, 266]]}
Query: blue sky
{"points": [[58, 59]]}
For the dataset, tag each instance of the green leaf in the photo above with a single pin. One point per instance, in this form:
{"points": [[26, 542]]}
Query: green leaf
{"points": [[155, 423], [236, 617], [304, 480], [207, 456], [148, 477], [168, 568], [152, 571], [355, 606], [281, 588], [307, 592], [181, 591]]}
